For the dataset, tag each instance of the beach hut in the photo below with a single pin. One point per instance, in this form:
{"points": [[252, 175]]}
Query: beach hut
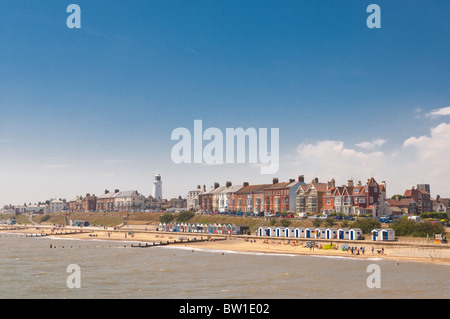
{"points": [[331, 233], [309, 232], [319, 232], [376, 234], [289, 232], [343, 233], [279, 231], [355, 233], [262, 231], [300, 232], [387, 234]]}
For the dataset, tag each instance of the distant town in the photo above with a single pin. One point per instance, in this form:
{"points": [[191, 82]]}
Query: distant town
{"points": [[294, 198]]}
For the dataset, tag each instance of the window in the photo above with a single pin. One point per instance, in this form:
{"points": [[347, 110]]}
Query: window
{"points": [[328, 201], [371, 200]]}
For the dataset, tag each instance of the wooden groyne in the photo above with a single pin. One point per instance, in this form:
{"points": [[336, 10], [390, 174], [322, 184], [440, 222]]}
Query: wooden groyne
{"points": [[54, 234], [180, 241]]}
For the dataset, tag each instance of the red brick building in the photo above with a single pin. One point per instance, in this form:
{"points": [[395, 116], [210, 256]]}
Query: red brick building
{"points": [[421, 197]]}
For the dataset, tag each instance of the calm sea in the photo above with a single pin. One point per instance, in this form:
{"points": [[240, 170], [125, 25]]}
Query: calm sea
{"points": [[31, 269]]}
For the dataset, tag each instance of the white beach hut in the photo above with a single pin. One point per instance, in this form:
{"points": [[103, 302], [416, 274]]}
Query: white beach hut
{"points": [[354, 233], [300, 232], [376, 234], [289, 232], [331, 233], [279, 231], [309, 232], [320, 232], [343, 233], [387, 234], [262, 231]]}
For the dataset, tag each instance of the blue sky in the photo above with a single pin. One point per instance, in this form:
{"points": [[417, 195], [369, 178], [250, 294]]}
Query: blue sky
{"points": [[83, 110]]}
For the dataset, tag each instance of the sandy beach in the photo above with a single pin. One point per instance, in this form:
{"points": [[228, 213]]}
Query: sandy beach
{"points": [[419, 250]]}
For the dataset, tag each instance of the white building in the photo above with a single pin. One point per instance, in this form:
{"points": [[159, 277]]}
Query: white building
{"points": [[192, 201], [224, 196], [57, 206], [129, 201], [157, 187]]}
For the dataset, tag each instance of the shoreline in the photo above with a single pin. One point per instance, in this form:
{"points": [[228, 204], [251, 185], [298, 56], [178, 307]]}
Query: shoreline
{"points": [[395, 252]]}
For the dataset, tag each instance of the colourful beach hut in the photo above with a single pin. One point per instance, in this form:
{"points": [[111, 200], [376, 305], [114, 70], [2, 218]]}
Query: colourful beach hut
{"points": [[331, 233], [343, 233], [355, 233]]}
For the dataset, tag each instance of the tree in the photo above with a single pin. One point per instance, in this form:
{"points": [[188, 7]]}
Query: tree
{"points": [[285, 222], [407, 227], [317, 223], [329, 222], [166, 218], [185, 216]]}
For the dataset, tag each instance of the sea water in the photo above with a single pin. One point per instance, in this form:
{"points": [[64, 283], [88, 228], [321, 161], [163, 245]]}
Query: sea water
{"points": [[29, 268]]}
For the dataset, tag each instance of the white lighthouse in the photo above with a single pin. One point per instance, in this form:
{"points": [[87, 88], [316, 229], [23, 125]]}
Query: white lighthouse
{"points": [[157, 187]]}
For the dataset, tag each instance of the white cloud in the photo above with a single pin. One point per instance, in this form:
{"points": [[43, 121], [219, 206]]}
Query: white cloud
{"points": [[439, 112], [371, 145], [433, 152], [331, 159], [421, 159]]}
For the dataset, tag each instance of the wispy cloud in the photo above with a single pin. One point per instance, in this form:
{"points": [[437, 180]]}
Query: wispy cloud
{"points": [[443, 111], [371, 145], [5, 140]]}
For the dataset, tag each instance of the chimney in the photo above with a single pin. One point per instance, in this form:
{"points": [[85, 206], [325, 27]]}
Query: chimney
{"points": [[275, 180], [301, 178], [350, 183], [204, 187], [88, 194], [245, 184], [106, 191], [315, 180], [228, 184], [359, 183], [216, 185], [291, 180], [116, 191], [330, 184]]}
